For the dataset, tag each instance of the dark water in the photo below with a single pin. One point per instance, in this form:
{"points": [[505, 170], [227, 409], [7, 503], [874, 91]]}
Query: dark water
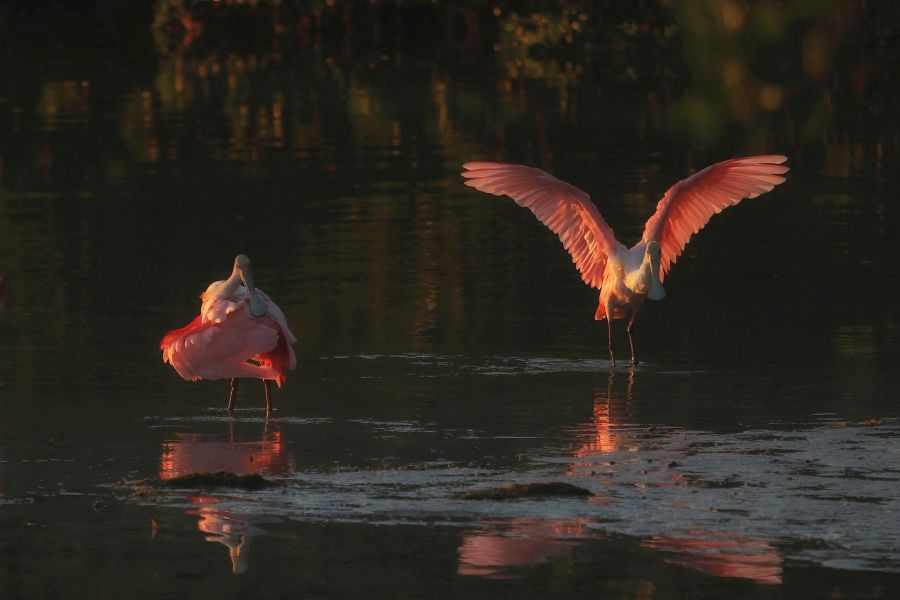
{"points": [[446, 342]]}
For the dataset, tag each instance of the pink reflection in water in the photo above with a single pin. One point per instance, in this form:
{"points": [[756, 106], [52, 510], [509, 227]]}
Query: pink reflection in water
{"points": [[522, 543], [716, 553], [607, 429], [233, 530], [722, 555], [190, 453]]}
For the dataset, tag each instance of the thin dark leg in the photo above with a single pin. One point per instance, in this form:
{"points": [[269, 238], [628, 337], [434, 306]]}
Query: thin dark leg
{"points": [[233, 395], [609, 331], [629, 389], [634, 359], [267, 383]]}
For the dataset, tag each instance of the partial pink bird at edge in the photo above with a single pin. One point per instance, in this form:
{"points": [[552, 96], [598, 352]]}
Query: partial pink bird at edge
{"points": [[626, 276]]}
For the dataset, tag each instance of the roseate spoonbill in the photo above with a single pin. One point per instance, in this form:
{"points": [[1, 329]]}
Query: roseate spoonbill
{"points": [[626, 276], [239, 332]]}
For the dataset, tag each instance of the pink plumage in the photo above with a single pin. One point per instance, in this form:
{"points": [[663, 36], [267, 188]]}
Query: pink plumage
{"points": [[562, 207], [210, 350], [689, 204], [626, 276], [239, 333]]}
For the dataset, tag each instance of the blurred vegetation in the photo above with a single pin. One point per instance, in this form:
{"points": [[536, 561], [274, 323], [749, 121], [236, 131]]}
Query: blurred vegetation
{"points": [[236, 80], [718, 65]]}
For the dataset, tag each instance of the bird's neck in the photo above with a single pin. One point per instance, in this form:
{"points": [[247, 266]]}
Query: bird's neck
{"points": [[257, 306], [219, 290], [231, 285], [650, 272]]}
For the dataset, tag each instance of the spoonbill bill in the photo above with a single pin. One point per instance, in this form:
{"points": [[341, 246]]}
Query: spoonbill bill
{"points": [[626, 276], [239, 333]]}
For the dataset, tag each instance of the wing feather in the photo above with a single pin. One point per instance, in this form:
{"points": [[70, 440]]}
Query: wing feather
{"points": [[563, 208], [689, 204]]}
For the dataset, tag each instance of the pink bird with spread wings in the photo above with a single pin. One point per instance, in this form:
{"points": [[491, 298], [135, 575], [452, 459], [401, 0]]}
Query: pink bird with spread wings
{"points": [[626, 276], [239, 333]]}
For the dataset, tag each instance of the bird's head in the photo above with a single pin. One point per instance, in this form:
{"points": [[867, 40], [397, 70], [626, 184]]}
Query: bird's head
{"points": [[653, 255]]}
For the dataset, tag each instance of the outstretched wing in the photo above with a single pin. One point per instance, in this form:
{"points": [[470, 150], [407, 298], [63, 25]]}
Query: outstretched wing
{"points": [[562, 207], [689, 204]]}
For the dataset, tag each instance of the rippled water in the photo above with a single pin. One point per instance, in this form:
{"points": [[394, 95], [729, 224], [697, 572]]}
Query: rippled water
{"points": [[446, 342], [734, 505]]}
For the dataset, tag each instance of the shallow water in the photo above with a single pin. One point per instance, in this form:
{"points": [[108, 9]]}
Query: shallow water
{"points": [[446, 343]]}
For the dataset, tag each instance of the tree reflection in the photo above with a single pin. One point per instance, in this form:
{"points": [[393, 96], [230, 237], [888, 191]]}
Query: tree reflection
{"points": [[716, 65], [712, 72], [721, 73]]}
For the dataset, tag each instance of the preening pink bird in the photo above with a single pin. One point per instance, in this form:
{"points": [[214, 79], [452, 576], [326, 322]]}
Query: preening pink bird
{"points": [[626, 276], [239, 332]]}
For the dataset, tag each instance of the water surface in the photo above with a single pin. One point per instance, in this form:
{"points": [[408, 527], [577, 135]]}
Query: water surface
{"points": [[446, 342]]}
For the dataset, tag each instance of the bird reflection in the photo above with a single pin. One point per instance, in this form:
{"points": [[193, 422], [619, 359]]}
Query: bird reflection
{"points": [[610, 414], [715, 553], [525, 542], [192, 453], [231, 529], [721, 555]]}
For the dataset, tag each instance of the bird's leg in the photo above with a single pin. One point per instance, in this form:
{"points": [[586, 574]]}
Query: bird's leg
{"points": [[609, 330], [629, 389], [233, 395], [634, 359], [267, 383]]}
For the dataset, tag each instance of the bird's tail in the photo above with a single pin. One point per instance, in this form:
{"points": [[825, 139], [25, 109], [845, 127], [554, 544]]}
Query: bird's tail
{"points": [[618, 313], [279, 359]]}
